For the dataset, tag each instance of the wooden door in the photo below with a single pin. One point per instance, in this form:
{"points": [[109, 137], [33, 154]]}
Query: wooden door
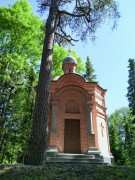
{"points": [[72, 136]]}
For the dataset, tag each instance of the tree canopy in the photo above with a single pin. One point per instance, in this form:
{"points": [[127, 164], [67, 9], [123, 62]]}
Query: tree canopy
{"points": [[82, 17]]}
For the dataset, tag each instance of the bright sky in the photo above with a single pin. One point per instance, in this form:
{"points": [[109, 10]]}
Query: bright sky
{"points": [[109, 54]]}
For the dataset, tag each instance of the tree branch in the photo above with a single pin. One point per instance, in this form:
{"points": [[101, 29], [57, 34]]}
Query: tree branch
{"points": [[67, 38], [61, 13], [69, 14]]}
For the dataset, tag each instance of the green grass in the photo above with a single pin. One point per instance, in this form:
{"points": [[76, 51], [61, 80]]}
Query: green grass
{"points": [[66, 172]]}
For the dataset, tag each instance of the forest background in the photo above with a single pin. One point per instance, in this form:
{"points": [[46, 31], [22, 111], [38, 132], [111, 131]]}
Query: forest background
{"points": [[19, 71]]}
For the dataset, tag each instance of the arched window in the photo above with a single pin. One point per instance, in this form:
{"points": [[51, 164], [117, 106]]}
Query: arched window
{"points": [[72, 107]]}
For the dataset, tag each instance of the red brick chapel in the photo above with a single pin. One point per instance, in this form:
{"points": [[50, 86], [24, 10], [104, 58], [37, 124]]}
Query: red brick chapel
{"points": [[78, 120]]}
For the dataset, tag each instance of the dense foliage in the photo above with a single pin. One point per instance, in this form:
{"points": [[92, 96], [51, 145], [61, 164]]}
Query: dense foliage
{"points": [[122, 137], [21, 37]]}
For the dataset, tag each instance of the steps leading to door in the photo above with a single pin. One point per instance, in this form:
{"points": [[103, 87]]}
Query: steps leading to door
{"points": [[74, 158]]}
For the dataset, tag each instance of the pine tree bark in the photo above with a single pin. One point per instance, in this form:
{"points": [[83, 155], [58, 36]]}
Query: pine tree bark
{"points": [[38, 138]]}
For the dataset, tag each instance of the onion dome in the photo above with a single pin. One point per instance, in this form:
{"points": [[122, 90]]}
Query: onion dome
{"points": [[69, 65], [69, 59]]}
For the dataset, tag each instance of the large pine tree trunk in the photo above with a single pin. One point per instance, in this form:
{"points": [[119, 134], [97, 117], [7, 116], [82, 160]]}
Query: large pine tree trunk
{"points": [[38, 138]]}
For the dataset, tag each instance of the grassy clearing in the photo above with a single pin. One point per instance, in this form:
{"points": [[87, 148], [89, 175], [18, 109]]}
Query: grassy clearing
{"points": [[66, 172]]}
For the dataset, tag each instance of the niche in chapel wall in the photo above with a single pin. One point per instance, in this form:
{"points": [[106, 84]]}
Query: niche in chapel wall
{"points": [[72, 106]]}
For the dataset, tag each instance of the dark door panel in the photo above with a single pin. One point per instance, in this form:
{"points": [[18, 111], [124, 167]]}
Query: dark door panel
{"points": [[72, 136]]}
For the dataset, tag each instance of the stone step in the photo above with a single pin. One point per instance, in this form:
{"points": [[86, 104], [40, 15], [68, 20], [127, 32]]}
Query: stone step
{"points": [[80, 160], [74, 156], [89, 161]]}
